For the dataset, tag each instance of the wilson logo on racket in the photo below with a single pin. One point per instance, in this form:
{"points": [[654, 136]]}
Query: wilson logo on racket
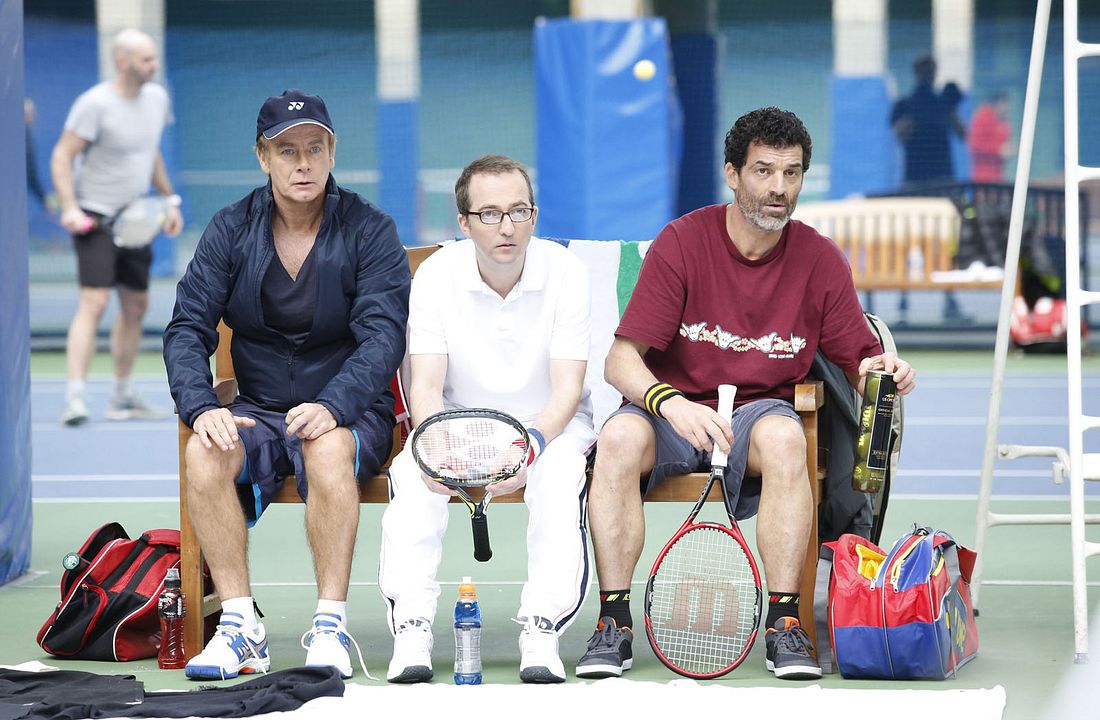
{"points": [[711, 607]]}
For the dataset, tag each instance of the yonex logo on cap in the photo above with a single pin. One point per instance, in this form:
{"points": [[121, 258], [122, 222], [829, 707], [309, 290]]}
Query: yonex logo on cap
{"points": [[293, 107]]}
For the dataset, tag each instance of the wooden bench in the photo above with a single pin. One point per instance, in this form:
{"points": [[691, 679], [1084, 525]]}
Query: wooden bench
{"points": [[878, 235], [809, 398]]}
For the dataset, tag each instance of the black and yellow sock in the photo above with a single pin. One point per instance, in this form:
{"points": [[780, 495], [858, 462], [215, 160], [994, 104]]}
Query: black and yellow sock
{"points": [[615, 604], [781, 605]]}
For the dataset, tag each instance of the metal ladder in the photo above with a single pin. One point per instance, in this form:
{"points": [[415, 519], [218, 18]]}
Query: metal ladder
{"points": [[1073, 463]]}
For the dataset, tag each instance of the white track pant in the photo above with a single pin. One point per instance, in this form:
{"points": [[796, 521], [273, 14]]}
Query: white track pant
{"points": [[557, 551]]}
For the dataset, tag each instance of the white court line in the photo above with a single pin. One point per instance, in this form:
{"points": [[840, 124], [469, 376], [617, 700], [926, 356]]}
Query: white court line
{"points": [[131, 477], [109, 426], [980, 420], [112, 500], [1017, 382], [960, 472], [46, 478]]}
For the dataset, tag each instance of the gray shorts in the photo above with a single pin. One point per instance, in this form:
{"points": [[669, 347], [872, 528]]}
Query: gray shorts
{"points": [[676, 456]]}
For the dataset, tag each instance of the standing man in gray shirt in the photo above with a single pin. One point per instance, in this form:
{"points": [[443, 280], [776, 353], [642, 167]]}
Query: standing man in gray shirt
{"points": [[112, 134]]}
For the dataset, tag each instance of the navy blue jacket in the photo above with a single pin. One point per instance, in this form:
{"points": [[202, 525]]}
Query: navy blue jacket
{"points": [[358, 336]]}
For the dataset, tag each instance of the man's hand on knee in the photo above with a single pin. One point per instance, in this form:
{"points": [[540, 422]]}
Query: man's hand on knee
{"points": [[309, 421], [219, 427], [698, 424]]}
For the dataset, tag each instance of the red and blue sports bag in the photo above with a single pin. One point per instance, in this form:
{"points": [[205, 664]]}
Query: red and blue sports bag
{"points": [[905, 614]]}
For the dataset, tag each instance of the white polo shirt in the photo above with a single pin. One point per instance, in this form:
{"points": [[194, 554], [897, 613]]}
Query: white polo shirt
{"points": [[499, 349]]}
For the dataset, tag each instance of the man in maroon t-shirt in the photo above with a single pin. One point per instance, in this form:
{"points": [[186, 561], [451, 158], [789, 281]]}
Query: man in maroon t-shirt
{"points": [[740, 294]]}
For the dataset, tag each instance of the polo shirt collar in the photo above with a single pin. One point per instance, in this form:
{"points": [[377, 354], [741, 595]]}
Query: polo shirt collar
{"points": [[532, 279]]}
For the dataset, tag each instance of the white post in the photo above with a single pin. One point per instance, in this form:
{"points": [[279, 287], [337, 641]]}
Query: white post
{"points": [[608, 9], [115, 15], [953, 40], [1008, 290], [859, 37], [397, 30]]}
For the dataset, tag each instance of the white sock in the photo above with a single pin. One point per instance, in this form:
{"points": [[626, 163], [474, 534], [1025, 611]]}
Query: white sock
{"points": [[123, 388], [74, 389], [339, 608], [244, 607]]}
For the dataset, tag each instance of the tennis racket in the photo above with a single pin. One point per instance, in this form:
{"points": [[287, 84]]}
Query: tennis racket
{"points": [[702, 602], [473, 448], [137, 224]]}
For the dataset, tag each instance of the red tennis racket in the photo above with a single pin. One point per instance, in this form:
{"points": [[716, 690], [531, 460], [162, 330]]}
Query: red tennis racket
{"points": [[703, 599]]}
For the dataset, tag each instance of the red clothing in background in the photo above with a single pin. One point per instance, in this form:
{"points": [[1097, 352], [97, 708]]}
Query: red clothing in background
{"points": [[988, 135]]}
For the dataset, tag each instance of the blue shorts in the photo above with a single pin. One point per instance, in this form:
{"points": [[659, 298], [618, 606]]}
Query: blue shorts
{"points": [[270, 454], [676, 456]]}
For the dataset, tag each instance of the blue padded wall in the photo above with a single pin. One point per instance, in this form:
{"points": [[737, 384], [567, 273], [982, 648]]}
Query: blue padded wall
{"points": [[15, 402], [865, 153], [608, 140]]}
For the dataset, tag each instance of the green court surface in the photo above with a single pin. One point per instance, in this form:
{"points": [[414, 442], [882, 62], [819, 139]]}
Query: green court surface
{"points": [[1026, 630]]}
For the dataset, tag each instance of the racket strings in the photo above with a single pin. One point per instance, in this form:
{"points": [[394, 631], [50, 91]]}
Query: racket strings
{"points": [[471, 451], [705, 602]]}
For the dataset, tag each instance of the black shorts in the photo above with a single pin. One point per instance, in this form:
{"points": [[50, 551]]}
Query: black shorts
{"points": [[270, 454], [676, 456], [102, 264]]}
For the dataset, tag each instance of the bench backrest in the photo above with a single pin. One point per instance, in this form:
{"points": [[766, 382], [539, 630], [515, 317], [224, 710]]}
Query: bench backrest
{"points": [[878, 234]]}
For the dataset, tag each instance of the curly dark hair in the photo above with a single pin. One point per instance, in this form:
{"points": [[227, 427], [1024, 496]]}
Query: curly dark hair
{"points": [[767, 126]]}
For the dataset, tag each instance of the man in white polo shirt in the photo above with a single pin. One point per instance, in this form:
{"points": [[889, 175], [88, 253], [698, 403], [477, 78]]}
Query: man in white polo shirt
{"points": [[499, 320]]}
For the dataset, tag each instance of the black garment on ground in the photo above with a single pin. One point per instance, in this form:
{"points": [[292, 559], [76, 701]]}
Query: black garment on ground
{"points": [[20, 691], [71, 695]]}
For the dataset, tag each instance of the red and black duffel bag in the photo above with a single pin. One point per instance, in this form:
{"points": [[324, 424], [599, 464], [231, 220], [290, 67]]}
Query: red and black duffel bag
{"points": [[109, 591]]}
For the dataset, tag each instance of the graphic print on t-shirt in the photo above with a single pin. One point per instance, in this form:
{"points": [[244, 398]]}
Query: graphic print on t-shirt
{"points": [[773, 344]]}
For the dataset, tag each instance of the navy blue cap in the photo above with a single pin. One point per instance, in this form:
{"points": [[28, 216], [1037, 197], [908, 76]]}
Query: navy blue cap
{"points": [[293, 107]]}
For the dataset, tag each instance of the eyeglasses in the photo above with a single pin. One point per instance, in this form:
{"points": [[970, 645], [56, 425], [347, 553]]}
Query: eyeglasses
{"points": [[496, 217]]}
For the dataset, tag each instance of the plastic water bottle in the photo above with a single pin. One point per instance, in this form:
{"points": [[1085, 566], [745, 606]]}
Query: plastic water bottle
{"points": [[467, 635], [915, 264], [171, 608]]}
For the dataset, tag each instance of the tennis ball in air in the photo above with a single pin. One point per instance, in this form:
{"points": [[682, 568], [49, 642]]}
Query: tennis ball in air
{"points": [[645, 70]]}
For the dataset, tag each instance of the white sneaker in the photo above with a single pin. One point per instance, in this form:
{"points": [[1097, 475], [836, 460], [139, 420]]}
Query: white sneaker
{"points": [[412, 652], [327, 644], [232, 650], [538, 647], [76, 412], [131, 407]]}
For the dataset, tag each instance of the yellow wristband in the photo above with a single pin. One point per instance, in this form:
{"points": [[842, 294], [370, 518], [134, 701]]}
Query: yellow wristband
{"points": [[656, 396]]}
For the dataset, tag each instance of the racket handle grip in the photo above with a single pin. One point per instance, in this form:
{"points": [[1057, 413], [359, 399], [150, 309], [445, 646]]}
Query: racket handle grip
{"points": [[726, 395], [480, 524]]}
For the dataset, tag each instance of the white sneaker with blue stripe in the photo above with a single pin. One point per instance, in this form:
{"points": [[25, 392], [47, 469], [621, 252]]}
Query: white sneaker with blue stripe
{"points": [[328, 643], [232, 651]]}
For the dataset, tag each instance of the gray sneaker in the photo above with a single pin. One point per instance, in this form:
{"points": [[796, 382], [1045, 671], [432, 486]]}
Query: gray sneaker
{"points": [[131, 407], [789, 651], [76, 412], [609, 652]]}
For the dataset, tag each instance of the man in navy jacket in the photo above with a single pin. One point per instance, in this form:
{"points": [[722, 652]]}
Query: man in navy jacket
{"points": [[314, 283]]}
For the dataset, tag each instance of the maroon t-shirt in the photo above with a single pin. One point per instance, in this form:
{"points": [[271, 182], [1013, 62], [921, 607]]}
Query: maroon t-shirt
{"points": [[711, 316]]}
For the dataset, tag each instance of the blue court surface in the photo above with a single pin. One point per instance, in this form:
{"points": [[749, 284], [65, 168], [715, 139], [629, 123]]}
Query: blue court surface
{"points": [[945, 421]]}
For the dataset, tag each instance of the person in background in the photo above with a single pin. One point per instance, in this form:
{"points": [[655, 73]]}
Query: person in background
{"points": [[114, 131], [989, 140], [924, 122]]}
